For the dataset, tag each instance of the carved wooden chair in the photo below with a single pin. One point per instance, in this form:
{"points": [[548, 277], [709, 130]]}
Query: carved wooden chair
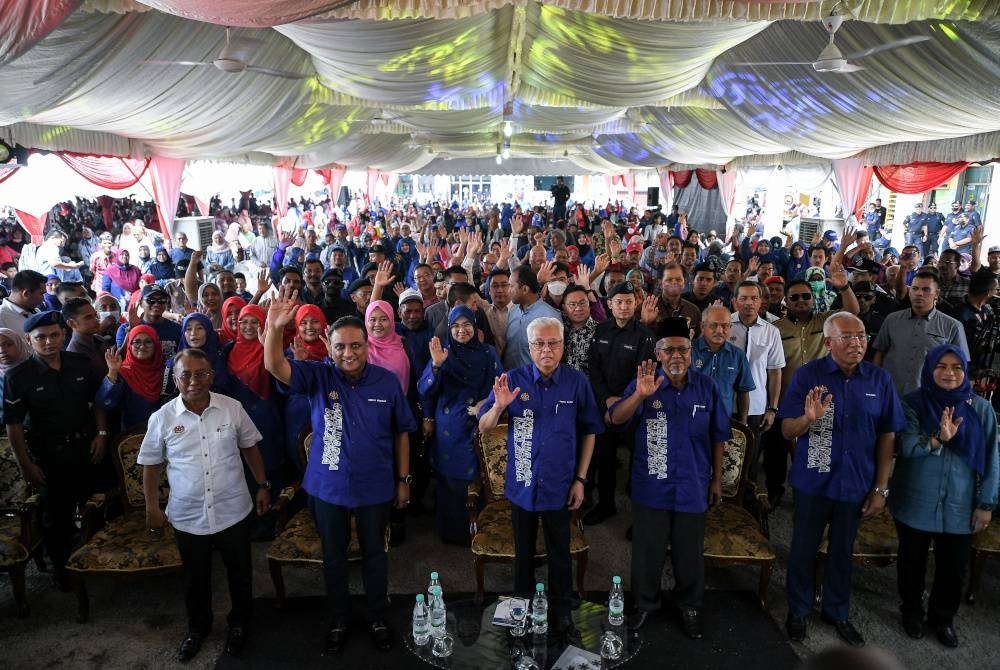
{"points": [[491, 530], [20, 524]]}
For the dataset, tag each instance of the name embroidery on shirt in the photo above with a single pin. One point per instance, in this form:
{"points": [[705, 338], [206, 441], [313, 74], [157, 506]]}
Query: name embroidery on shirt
{"points": [[333, 430], [523, 429], [821, 442], [656, 445]]}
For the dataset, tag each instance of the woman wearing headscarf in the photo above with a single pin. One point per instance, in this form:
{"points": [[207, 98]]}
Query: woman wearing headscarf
{"points": [[455, 382], [309, 345], [134, 385], [798, 261], [253, 387], [386, 347], [210, 303], [162, 268], [822, 296], [13, 351], [944, 488], [230, 318], [121, 278], [197, 333], [218, 256]]}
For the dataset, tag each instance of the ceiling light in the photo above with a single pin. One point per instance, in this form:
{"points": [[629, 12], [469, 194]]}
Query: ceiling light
{"points": [[506, 153], [499, 159], [508, 129]]}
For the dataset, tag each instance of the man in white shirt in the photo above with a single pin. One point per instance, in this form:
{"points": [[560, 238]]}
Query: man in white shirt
{"points": [[201, 435]]}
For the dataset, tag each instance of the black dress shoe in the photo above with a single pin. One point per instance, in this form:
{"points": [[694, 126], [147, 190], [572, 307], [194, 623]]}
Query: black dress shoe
{"points": [[235, 639], [914, 626], [335, 637], [691, 623], [795, 626], [947, 636], [599, 514], [637, 619], [381, 635], [190, 647], [846, 630]]}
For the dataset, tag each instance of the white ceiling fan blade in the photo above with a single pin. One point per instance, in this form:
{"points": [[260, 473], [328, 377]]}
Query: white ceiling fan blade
{"points": [[275, 73], [188, 63], [895, 44], [242, 48], [851, 67], [772, 63]]}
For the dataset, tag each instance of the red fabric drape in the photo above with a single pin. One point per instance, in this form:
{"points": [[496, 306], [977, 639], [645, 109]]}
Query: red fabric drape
{"points": [[7, 171], [333, 177], [24, 22], [916, 177], [110, 172], [107, 211], [706, 178], [282, 182], [682, 178], [35, 225], [189, 203], [166, 175], [299, 176]]}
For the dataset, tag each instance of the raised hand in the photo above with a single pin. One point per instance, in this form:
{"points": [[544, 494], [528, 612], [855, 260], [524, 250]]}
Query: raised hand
{"points": [[197, 257], [398, 288], [545, 272], [502, 393], [583, 276], [299, 349], [753, 265], [751, 229], [475, 243], [288, 238], [438, 353], [646, 382], [133, 314], [281, 311], [263, 281], [978, 235], [650, 310], [601, 263], [949, 424], [849, 237], [517, 224], [384, 277], [614, 246], [114, 362], [816, 405], [838, 277]]}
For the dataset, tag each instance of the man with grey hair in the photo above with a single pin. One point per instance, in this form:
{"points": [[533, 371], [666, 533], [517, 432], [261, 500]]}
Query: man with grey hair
{"points": [[553, 419], [843, 414]]}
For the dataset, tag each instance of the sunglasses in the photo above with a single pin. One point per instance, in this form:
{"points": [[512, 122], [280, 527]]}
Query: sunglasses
{"points": [[156, 301], [796, 297], [865, 296]]}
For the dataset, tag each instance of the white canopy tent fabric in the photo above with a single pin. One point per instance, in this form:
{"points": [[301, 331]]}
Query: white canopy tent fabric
{"points": [[607, 85]]}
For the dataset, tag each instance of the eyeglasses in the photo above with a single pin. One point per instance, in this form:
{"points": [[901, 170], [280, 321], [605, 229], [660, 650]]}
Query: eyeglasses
{"points": [[847, 339], [576, 305], [462, 326], [670, 351], [136, 344], [156, 301], [541, 345], [796, 297], [201, 376]]}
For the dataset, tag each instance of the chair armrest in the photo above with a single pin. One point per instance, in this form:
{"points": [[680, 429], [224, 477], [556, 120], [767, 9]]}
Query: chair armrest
{"points": [[91, 514], [281, 505], [30, 517]]}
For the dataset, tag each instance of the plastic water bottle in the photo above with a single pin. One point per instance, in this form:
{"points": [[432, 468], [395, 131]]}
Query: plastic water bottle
{"points": [[439, 616], [421, 622], [539, 610], [616, 602], [435, 583]]}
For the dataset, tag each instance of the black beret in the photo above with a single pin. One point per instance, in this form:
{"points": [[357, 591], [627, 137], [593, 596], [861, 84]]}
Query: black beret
{"points": [[50, 318], [333, 272], [623, 287], [358, 284]]}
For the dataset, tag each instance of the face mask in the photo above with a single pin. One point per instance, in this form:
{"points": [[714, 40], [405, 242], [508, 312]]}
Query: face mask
{"points": [[817, 286], [557, 287], [101, 316]]}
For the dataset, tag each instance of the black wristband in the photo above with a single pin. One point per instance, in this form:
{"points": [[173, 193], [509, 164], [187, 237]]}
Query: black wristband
{"points": [[582, 480]]}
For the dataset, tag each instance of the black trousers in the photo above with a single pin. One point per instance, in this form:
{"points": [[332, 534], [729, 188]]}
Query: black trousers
{"points": [[333, 524], [951, 558], [774, 448], [233, 544], [653, 531], [604, 464], [65, 487], [555, 529]]}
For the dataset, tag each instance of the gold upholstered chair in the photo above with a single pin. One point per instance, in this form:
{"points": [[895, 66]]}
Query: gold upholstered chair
{"points": [[985, 544], [296, 541], [20, 524], [876, 544], [124, 548], [490, 528], [732, 534]]}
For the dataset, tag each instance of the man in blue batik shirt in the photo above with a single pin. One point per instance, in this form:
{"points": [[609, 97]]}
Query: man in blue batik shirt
{"points": [[713, 355], [553, 419], [681, 429], [843, 413], [359, 458]]}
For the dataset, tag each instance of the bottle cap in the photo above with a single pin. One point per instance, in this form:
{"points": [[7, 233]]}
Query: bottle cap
{"points": [[434, 575], [539, 587], [616, 579], [420, 597]]}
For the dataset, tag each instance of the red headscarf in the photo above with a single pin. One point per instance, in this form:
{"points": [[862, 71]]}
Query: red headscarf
{"points": [[388, 351], [246, 358], [144, 377], [227, 334], [316, 350]]}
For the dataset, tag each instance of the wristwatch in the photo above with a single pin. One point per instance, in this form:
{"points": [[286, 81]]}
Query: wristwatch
{"points": [[102, 433], [266, 484], [882, 492], [582, 480], [405, 479]]}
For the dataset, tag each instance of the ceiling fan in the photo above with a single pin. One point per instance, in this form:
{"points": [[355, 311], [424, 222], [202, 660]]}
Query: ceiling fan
{"points": [[233, 59], [830, 59]]}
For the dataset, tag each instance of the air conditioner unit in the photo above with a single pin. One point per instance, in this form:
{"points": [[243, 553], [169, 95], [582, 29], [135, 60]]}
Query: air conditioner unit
{"points": [[198, 229]]}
